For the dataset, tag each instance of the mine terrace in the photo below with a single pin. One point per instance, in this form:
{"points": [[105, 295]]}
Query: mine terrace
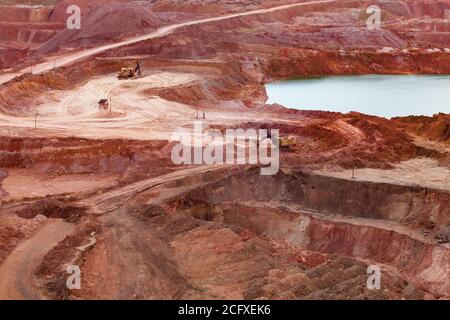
{"points": [[86, 170]]}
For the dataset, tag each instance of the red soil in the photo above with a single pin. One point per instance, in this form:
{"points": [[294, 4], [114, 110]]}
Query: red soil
{"points": [[224, 232]]}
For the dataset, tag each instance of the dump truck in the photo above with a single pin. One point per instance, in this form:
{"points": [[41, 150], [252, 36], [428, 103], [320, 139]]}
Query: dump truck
{"points": [[103, 104]]}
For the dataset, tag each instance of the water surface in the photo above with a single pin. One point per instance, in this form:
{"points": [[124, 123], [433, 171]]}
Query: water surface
{"points": [[382, 95]]}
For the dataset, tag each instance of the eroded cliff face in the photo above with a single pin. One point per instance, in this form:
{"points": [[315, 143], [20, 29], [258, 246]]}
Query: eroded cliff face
{"points": [[59, 156], [25, 14], [27, 26], [386, 224], [436, 128], [414, 206], [290, 63], [21, 30], [418, 260]]}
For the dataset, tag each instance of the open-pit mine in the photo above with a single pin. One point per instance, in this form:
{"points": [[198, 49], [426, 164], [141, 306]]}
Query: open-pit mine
{"points": [[93, 205]]}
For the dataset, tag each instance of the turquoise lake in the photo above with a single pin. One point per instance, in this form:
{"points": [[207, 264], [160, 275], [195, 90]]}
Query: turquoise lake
{"points": [[381, 95]]}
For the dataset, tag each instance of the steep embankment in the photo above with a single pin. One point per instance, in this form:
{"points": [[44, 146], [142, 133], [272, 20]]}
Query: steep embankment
{"points": [[22, 28], [422, 262], [436, 128], [387, 224], [416, 206]]}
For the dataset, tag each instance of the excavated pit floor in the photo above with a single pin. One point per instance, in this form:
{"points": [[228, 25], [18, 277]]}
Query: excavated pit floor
{"points": [[195, 234]]}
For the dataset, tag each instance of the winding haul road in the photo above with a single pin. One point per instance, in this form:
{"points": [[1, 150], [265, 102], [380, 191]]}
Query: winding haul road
{"points": [[17, 271], [161, 32]]}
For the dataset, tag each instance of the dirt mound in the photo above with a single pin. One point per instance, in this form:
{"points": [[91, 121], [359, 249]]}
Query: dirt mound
{"points": [[338, 278], [349, 141], [52, 209], [435, 128], [148, 211], [212, 92], [18, 95], [71, 250], [13, 230], [21, 90], [105, 23], [57, 156], [210, 7]]}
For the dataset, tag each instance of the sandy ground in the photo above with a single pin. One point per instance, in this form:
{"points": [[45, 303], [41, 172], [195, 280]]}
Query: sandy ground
{"points": [[22, 183], [76, 112], [135, 115], [423, 172]]}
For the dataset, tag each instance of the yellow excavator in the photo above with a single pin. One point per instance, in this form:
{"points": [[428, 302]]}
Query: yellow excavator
{"points": [[284, 142], [129, 73], [126, 73]]}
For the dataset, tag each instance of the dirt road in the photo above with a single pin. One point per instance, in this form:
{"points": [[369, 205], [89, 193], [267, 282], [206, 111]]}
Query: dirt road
{"points": [[111, 200], [60, 61], [135, 114], [17, 272]]}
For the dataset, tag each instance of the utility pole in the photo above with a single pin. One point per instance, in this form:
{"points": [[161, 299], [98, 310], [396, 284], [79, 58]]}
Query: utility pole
{"points": [[353, 173], [35, 120], [110, 106]]}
